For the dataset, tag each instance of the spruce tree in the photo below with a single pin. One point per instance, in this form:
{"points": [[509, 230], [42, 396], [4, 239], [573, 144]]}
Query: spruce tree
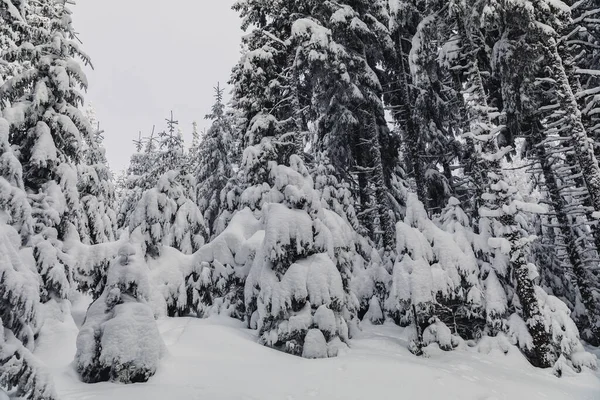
{"points": [[213, 159], [96, 189], [19, 284], [166, 212], [300, 233], [19, 369], [138, 177], [48, 130], [502, 220], [400, 92]]}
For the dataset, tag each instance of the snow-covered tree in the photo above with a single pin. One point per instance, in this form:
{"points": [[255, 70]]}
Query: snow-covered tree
{"points": [[12, 25], [215, 283], [41, 102], [164, 207], [13, 199], [119, 339], [96, 189], [167, 216], [400, 92], [295, 293], [537, 89], [339, 48], [435, 283], [19, 291], [214, 165], [138, 177]]}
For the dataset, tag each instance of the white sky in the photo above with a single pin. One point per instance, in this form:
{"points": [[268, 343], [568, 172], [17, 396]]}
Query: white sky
{"points": [[153, 56]]}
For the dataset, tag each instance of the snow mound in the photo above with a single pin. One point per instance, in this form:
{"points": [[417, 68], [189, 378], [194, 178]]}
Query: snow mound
{"points": [[119, 339]]}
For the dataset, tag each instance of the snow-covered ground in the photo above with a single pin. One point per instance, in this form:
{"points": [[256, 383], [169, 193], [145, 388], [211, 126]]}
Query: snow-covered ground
{"points": [[217, 359]]}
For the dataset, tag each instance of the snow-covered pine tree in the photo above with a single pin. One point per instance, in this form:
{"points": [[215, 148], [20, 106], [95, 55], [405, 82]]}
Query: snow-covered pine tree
{"points": [[435, 282], [171, 148], [304, 244], [582, 41], [295, 293], [508, 239], [400, 92], [13, 199], [436, 103], [214, 166], [534, 103], [215, 283], [467, 315], [167, 216], [166, 213], [361, 259], [582, 143], [12, 23], [340, 47], [138, 177], [96, 189], [509, 278], [572, 224], [541, 25], [20, 372], [19, 284], [41, 101], [97, 192]]}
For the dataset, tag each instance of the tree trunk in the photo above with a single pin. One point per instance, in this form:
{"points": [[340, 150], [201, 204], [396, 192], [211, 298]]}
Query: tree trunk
{"points": [[381, 194], [574, 252], [583, 145], [542, 354]]}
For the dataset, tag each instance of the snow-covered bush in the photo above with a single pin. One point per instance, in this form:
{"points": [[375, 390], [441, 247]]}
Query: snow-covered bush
{"points": [[119, 339]]}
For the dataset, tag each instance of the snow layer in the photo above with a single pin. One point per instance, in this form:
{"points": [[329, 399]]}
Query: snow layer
{"points": [[218, 359]]}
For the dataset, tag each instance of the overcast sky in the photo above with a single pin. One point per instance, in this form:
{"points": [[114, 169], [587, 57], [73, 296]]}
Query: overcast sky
{"points": [[153, 56]]}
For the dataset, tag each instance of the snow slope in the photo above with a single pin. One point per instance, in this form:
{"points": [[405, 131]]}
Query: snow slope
{"points": [[217, 359]]}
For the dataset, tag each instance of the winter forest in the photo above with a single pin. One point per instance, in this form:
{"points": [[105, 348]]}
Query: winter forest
{"points": [[422, 174]]}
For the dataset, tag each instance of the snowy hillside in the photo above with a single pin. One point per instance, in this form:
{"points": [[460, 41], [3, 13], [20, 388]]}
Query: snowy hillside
{"points": [[217, 359]]}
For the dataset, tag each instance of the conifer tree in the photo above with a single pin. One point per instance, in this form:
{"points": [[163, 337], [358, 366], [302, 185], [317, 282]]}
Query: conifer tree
{"points": [[138, 177], [400, 93], [295, 292], [502, 220], [48, 130], [300, 232], [214, 166], [96, 190], [19, 285], [19, 369], [166, 212]]}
